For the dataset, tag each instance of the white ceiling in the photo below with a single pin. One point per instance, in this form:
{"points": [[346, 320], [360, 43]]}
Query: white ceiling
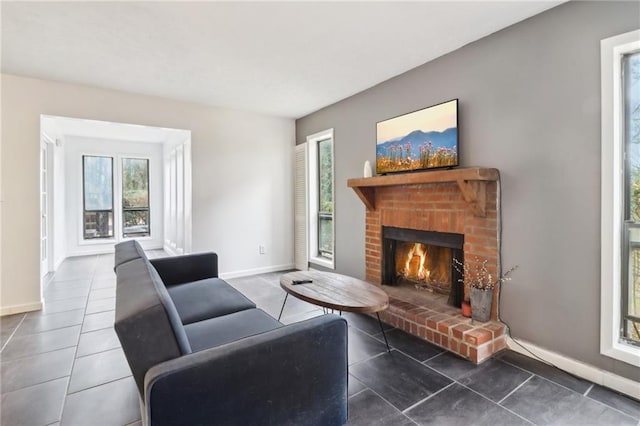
{"points": [[280, 58]]}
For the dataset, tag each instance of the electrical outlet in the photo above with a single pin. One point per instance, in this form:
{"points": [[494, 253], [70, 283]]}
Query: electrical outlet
{"points": [[261, 249]]}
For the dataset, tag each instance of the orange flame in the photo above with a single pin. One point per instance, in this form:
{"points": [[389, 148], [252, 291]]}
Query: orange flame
{"points": [[421, 251]]}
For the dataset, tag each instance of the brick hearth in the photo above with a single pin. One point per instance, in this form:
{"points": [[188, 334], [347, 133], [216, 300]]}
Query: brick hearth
{"points": [[461, 201], [446, 327]]}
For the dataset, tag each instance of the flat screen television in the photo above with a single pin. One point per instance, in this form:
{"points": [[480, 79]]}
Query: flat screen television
{"points": [[420, 140]]}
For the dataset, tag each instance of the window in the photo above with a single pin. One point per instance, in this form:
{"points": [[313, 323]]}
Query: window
{"points": [[97, 176], [620, 205], [101, 220], [630, 86], [325, 195], [321, 199], [135, 197]]}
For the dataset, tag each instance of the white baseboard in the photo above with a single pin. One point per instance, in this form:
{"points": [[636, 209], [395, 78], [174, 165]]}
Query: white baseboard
{"points": [[57, 263], [579, 368], [256, 271], [19, 309], [107, 250], [170, 251]]}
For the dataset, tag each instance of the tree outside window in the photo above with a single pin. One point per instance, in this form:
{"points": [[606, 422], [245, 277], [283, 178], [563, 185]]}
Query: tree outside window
{"points": [[97, 179], [135, 197], [325, 192], [631, 227]]}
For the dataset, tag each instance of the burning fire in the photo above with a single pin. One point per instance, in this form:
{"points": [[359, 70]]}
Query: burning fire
{"points": [[419, 250]]}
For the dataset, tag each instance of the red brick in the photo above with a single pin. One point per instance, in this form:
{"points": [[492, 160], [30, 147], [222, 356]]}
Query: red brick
{"points": [[484, 352], [496, 328], [444, 341], [478, 336], [421, 317], [445, 326], [429, 335], [499, 344], [459, 330], [436, 338], [473, 354], [432, 322], [412, 315], [422, 332], [463, 350]]}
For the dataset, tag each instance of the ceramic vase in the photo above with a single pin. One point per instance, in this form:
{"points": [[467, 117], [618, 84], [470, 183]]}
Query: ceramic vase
{"points": [[367, 169]]}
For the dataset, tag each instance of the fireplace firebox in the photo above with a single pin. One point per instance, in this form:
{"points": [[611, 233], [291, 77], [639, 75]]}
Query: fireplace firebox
{"points": [[423, 259]]}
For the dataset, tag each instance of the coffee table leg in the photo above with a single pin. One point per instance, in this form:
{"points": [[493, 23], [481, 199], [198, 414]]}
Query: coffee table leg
{"points": [[285, 301], [383, 333]]}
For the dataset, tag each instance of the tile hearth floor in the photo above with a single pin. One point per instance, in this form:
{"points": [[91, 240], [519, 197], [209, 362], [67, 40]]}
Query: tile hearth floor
{"points": [[64, 366]]}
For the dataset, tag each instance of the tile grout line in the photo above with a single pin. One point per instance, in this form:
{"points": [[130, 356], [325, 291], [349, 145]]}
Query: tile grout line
{"points": [[359, 392], [98, 385], [426, 398], [405, 353], [609, 406], [547, 379], [39, 353], [588, 390], [514, 390], [367, 359], [385, 400], [73, 364], [501, 406], [13, 333]]}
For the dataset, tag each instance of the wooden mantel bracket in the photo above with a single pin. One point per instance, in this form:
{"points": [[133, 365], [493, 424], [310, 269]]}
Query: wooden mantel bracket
{"points": [[367, 195], [472, 182], [475, 194]]}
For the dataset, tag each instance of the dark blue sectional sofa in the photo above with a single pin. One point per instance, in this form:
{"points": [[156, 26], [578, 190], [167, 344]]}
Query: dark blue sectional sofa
{"points": [[201, 353]]}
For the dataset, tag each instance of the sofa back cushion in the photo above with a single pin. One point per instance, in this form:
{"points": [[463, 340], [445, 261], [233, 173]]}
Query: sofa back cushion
{"points": [[147, 323], [128, 251]]}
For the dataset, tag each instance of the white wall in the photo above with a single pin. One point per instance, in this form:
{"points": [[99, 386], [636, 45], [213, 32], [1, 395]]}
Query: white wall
{"points": [[75, 148], [58, 196], [177, 196], [241, 173]]}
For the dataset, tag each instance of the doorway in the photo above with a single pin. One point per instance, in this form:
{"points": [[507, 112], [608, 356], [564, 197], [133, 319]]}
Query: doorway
{"points": [[65, 185]]}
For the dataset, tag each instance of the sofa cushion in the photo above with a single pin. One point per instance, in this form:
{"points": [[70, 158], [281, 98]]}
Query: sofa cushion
{"points": [[147, 325], [128, 251], [209, 298], [228, 328]]}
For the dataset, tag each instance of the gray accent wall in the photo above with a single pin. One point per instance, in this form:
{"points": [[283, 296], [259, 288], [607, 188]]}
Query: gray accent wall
{"points": [[530, 107]]}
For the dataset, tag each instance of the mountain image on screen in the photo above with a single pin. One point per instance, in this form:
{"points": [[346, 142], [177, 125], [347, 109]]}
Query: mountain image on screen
{"points": [[418, 150]]}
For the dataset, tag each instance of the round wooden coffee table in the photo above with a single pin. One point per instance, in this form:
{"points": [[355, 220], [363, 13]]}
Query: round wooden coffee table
{"points": [[336, 292]]}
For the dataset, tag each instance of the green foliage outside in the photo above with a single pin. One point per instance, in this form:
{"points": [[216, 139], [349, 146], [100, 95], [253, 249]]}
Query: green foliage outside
{"points": [[325, 160], [135, 183], [632, 133], [325, 177]]}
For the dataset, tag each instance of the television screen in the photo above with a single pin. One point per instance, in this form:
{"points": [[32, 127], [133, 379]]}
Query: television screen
{"points": [[420, 140]]}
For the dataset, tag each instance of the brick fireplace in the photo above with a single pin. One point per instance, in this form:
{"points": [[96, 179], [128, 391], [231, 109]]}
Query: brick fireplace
{"points": [[460, 202]]}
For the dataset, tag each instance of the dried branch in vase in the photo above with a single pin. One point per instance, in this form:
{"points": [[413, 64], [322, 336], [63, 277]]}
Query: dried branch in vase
{"points": [[477, 275]]}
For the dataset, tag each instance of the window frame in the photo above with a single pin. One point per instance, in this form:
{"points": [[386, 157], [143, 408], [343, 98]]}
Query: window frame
{"points": [[613, 180], [84, 205], [116, 177], [122, 208], [315, 257], [323, 215]]}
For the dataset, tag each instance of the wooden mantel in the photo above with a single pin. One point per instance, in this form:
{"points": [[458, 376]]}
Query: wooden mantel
{"points": [[472, 182]]}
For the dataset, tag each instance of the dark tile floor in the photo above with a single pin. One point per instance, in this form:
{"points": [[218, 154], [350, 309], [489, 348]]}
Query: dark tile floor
{"points": [[68, 359]]}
